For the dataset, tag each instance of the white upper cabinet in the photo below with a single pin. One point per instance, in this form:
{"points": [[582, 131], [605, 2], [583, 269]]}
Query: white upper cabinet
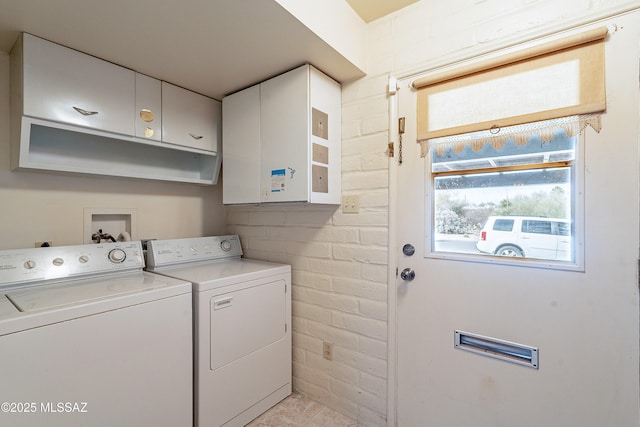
{"points": [[240, 139], [189, 119], [71, 112], [68, 86], [282, 140], [284, 135]]}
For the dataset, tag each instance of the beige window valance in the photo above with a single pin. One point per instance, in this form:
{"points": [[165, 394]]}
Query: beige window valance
{"points": [[557, 79]]}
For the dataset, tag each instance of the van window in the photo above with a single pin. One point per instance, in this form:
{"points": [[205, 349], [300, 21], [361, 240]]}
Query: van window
{"points": [[503, 225], [564, 229], [540, 227]]}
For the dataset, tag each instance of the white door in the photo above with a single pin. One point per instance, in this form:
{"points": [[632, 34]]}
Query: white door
{"points": [[584, 324]]}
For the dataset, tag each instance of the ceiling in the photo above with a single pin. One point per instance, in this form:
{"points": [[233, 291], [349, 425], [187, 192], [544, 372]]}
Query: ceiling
{"points": [[214, 47], [370, 10]]}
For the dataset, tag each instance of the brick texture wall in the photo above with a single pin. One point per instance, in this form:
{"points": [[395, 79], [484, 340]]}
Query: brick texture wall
{"points": [[339, 276]]}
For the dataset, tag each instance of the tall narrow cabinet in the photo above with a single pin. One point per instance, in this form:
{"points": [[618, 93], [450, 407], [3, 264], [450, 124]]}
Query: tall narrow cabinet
{"points": [[281, 140]]}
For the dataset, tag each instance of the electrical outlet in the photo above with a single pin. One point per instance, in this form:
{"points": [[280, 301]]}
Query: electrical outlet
{"points": [[327, 350], [351, 204], [44, 244]]}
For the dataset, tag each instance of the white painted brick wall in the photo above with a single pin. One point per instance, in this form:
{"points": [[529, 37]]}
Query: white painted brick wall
{"points": [[339, 286], [339, 261]]}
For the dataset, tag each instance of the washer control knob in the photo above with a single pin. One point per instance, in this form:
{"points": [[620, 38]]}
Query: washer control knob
{"points": [[57, 262], [83, 259], [225, 245], [117, 255], [29, 264]]}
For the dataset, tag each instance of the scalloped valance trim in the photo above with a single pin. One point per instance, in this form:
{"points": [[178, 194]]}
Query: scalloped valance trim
{"points": [[520, 134]]}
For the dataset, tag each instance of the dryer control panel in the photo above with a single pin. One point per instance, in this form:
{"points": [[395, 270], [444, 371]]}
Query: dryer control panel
{"points": [[60, 262], [162, 253]]}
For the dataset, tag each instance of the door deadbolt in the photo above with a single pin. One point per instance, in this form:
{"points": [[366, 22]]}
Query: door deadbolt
{"points": [[408, 249], [407, 274]]}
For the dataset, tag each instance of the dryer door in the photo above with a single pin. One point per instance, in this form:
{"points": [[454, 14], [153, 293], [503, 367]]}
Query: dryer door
{"points": [[246, 320]]}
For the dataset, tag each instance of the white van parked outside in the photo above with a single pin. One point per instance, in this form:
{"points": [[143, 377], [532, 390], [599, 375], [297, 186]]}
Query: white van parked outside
{"points": [[527, 236]]}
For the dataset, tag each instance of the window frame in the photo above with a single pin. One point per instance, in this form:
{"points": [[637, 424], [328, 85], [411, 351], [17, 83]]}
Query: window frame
{"points": [[577, 209]]}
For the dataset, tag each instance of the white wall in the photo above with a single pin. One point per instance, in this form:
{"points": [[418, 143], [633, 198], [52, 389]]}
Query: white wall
{"points": [[336, 23], [339, 260], [339, 289], [44, 206]]}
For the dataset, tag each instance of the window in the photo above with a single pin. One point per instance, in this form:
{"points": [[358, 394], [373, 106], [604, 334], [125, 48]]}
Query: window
{"points": [[564, 229], [501, 134], [503, 225], [534, 226], [514, 198]]}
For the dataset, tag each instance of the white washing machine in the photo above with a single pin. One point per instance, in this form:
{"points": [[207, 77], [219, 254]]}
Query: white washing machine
{"points": [[87, 338], [242, 326]]}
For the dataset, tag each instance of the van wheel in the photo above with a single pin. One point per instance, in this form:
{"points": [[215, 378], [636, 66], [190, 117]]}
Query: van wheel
{"points": [[509, 250]]}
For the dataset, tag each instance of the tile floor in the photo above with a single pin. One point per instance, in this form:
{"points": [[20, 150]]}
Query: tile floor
{"points": [[300, 411]]}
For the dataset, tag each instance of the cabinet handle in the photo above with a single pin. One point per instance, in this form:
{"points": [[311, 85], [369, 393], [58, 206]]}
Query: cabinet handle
{"points": [[85, 112], [194, 136]]}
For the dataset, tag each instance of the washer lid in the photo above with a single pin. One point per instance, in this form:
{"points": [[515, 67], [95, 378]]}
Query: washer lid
{"points": [[6, 308], [83, 291]]}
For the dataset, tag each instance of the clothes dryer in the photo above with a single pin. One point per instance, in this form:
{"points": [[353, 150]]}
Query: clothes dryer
{"points": [[242, 326]]}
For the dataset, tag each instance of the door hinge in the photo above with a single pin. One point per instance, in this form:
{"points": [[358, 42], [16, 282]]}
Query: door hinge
{"points": [[391, 149], [396, 272], [285, 328], [285, 288]]}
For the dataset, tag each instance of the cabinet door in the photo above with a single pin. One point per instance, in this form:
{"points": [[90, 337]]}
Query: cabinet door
{"points": [[148, 112], [68, 86], [189, 119], [284, 136], [241, 147]]}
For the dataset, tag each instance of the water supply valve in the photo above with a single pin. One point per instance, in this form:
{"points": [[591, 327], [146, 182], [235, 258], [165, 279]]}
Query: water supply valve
{"points": [[99, 237]]}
